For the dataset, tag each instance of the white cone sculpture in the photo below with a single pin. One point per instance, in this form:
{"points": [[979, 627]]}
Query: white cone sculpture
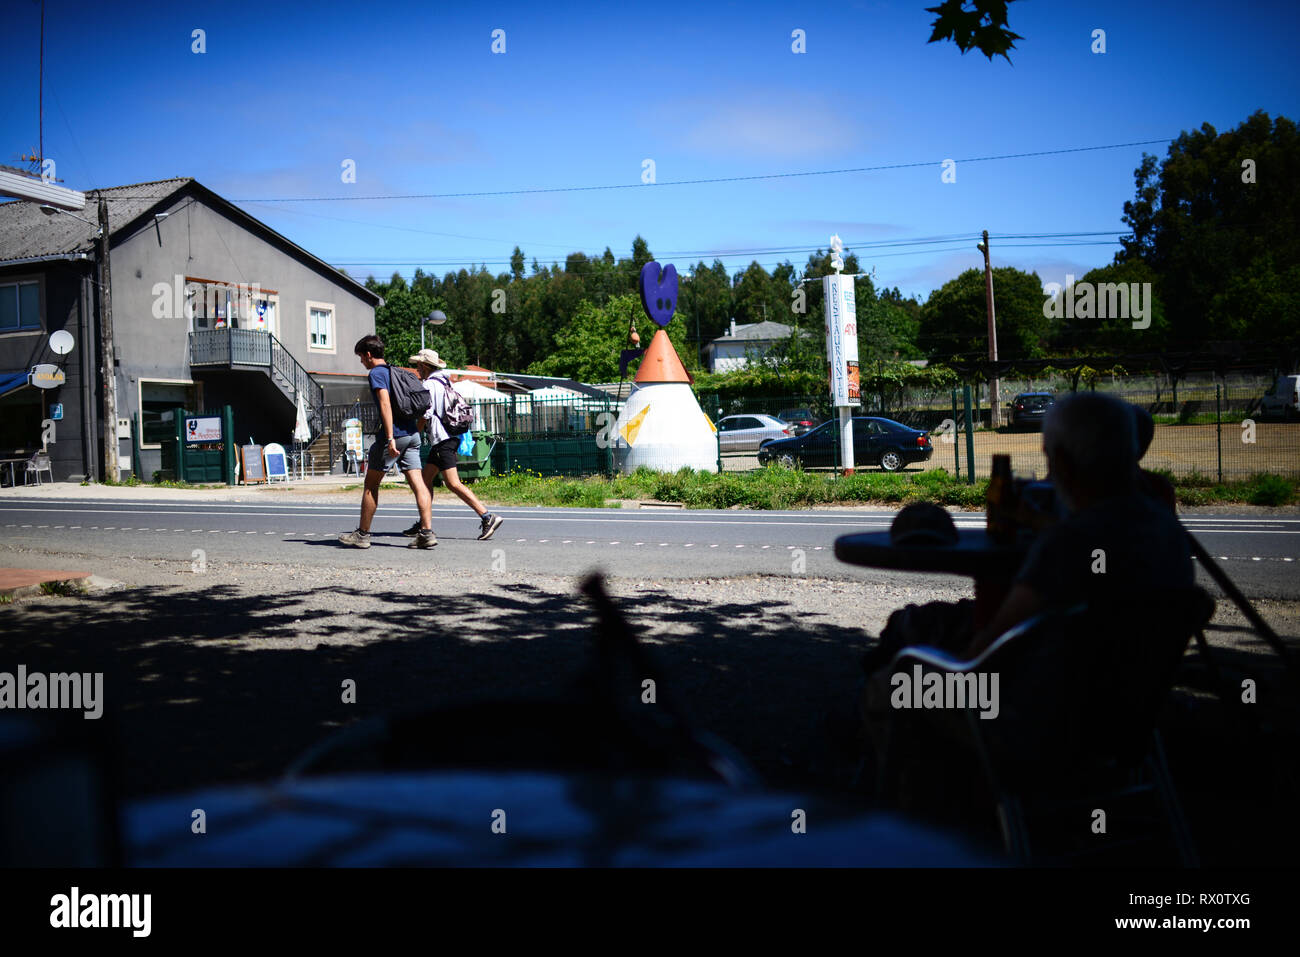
{"points": [[662, 426]]}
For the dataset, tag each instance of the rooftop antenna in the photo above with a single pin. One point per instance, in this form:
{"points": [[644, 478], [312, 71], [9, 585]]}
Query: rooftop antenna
{"points": [[40, 95]]}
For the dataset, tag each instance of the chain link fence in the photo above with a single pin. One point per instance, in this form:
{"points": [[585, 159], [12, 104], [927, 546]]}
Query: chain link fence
{"points": [[1208, 429]]}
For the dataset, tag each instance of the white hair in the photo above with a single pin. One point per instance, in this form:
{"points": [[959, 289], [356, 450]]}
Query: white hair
{"points": [[1097, 434]]}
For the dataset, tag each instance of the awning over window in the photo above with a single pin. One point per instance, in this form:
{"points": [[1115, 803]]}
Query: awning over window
{"points": [[9, 381]]}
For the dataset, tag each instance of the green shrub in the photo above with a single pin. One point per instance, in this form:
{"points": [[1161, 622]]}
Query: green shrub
{"points": [[1269, 490]]}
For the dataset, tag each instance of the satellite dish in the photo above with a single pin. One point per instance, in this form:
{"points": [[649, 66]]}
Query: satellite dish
{"points": [[61, 342]]}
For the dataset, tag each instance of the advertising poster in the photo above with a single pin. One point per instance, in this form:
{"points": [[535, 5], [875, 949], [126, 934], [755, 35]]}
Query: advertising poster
{"points": [[842, 340]]}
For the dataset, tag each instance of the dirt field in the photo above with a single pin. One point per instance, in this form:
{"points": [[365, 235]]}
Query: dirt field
{"points": [[1181, 449]]}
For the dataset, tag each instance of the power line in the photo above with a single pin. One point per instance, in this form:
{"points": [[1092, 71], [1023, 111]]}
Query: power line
{"points": [[949, 244], [690, 182], [404, 229]]}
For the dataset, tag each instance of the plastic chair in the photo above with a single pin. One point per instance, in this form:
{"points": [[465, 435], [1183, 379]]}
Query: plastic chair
{"points": [[1081, 690], [38, 463]]}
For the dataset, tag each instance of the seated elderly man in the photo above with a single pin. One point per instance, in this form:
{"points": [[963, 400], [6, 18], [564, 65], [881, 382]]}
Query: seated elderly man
{"points": [[1114, 541], [1115, 538]]}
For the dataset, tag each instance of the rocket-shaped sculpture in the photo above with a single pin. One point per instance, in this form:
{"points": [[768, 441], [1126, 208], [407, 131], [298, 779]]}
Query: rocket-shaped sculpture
{"points": [[662, 426]]}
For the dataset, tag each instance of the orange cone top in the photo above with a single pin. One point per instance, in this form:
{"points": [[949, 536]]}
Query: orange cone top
{"points": [[661, 363]]}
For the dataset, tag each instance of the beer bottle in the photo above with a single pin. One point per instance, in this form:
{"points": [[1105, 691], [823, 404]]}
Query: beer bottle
{"points": [[1000, 502]]}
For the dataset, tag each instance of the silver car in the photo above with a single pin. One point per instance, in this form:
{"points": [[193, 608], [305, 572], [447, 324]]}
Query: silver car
{"points": [[746, 433]]}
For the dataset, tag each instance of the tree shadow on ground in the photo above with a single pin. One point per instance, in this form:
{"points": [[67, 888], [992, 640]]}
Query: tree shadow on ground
{"points": [[216, 686]]}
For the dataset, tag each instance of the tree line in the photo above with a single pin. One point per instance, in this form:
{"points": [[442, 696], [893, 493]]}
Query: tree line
{"points": [[1213, 233]]}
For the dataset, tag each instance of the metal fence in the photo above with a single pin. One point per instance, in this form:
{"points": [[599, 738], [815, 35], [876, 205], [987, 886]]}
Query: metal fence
{"points": [[521, 417], [1202, 429]]}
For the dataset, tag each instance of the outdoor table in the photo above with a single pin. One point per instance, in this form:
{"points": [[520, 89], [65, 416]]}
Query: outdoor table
{"points": [[13, 464], [992, 566]]}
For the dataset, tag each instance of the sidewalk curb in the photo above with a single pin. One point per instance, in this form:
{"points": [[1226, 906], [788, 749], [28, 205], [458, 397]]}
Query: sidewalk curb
{"points": [[35, 582]]}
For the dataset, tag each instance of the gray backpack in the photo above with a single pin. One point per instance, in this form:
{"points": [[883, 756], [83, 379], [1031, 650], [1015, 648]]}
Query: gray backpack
{"points": [[457, 414], [409, 397]]}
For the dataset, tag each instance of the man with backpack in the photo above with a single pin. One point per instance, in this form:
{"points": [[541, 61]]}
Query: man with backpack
{"points": [[449, 417], [402, 403]]}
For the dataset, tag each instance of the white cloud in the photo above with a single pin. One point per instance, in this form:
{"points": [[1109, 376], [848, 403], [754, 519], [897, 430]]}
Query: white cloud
{"points": [[780, 126]]}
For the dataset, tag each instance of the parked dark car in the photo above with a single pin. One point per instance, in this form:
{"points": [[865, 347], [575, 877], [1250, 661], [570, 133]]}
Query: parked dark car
{"points": [[799, 420], [883, 442], [1028, 409]]}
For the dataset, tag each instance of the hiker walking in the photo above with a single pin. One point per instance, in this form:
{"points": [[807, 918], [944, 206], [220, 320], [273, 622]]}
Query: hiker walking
{"points": [[443, 457], [398, 442]]}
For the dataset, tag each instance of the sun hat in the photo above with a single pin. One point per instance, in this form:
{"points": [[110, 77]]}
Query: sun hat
{"points": [[427, 357]]}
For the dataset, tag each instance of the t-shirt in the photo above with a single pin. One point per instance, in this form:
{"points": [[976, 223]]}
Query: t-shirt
{"points": [[380, 379], [1125, 545], [436, 385]]}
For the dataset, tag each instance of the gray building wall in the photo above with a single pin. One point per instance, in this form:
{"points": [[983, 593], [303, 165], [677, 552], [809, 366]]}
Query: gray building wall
{"points": [[199, 241], [194, 240], [62, 286]]}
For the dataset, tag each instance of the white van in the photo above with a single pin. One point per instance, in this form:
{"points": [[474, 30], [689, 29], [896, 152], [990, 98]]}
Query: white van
{"points": [[1283, 400]]}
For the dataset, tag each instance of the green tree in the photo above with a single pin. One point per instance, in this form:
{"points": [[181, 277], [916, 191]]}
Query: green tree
{"points": [[982, 27], [1218, 223], [397, 322], [705, 303], [1111, 333], [954, 320], [587, 348]]}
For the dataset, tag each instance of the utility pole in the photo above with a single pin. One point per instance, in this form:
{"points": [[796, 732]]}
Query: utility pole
{"points": [[112, 471], [995, 403]]}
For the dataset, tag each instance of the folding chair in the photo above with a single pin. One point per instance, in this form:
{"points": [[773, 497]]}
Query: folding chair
{"points": [[38, 463], [1081, 690]]}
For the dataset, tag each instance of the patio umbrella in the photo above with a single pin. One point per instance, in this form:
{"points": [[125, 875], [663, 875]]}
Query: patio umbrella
{"points": [[301, 433]]}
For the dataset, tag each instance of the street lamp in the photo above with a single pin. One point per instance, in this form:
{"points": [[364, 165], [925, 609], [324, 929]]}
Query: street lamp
{"points": [[437, 317], [51, 210]]}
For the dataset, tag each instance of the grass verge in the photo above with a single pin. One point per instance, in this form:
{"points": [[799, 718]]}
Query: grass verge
{"points": [[775, 488]]}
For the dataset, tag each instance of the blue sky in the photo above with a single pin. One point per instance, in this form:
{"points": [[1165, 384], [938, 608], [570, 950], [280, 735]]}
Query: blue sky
{"points": [[584, 93]]}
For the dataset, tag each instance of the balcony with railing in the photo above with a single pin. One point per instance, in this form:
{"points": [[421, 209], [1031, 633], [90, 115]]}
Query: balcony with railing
{"points": [[253, 349]]}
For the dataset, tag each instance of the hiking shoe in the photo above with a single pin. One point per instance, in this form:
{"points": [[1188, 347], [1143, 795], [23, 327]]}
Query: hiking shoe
{"points": [[356, 539], [424, 538], [490, 524], [413, 530]]}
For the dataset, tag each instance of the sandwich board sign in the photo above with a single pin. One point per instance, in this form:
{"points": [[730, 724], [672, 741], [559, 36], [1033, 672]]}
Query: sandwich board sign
{"points": [[254, 468], [277, 465]]}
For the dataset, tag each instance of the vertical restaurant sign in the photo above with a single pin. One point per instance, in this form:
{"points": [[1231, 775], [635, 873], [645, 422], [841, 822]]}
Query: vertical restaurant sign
{"points": [[842, 339]]}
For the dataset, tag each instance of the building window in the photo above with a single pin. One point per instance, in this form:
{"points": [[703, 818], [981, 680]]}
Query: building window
{"points": [[320, 326], [264, 314], [157, 400], [216, 304], [20, 306]]}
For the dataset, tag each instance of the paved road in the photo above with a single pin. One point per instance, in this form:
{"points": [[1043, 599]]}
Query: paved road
{"points": [[1261, 553]]}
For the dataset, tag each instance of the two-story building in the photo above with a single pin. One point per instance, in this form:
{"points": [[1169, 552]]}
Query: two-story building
{"points": [[745, 343], [209, 307]]}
